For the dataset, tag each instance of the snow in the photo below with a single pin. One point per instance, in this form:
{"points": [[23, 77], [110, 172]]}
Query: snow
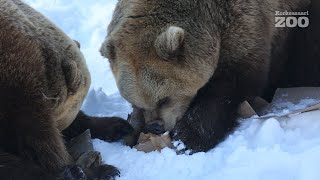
{"points": [[86, 22], [286, 149], [259, 149], [98, 103], [284, 108]]}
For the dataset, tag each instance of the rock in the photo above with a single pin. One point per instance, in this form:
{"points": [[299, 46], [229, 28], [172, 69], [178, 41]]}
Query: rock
{"points": [[80, 144], [245, 110], [90, 159]]}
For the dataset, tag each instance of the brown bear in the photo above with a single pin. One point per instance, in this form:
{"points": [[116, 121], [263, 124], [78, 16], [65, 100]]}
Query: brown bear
{"points": [[43, 82], [190, 63]]}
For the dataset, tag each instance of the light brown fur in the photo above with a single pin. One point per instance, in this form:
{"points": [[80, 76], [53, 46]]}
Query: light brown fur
{"points": [[155, 73], [43, 83], [178, 52], [31, 66], [66, 71]]}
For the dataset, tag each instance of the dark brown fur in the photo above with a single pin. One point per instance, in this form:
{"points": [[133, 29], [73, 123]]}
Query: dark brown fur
{"points": [[204, 58], [43, 82]]}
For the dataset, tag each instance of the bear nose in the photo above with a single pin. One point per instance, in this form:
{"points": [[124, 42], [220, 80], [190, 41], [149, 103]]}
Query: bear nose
{"points": [[78, 44], [154, 128]]}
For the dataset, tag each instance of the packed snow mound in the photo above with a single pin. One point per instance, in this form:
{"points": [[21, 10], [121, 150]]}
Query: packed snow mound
{"points": [[258, 150], [98, 103]]}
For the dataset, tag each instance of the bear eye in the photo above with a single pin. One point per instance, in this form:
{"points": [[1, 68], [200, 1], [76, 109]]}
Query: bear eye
{"points": [[163, 102], [111, 53]]}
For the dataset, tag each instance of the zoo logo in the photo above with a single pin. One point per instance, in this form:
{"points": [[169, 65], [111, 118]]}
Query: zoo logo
{"points": [[288, 19]]}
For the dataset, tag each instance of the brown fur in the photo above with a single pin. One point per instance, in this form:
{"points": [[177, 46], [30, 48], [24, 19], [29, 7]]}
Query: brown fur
{"points": [[202, 58], [43, 82]]}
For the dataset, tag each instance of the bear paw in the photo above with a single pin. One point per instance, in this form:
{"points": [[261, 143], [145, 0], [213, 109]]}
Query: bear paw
{"points": [[102, 172], [188, 140], [72, 172], [111, 129]]}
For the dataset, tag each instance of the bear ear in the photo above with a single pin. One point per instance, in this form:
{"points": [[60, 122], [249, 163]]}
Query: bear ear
{"points": [[169, 43]]}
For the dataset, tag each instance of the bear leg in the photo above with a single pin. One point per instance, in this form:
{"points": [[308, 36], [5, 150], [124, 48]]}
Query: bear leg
{"points": [[105, 128], [211, 116]]}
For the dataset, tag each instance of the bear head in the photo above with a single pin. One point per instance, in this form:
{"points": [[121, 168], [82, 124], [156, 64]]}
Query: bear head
{"points": [[161, 54]]}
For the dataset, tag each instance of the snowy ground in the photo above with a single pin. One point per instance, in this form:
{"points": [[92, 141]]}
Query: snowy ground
{"points": [[257, 150]]}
